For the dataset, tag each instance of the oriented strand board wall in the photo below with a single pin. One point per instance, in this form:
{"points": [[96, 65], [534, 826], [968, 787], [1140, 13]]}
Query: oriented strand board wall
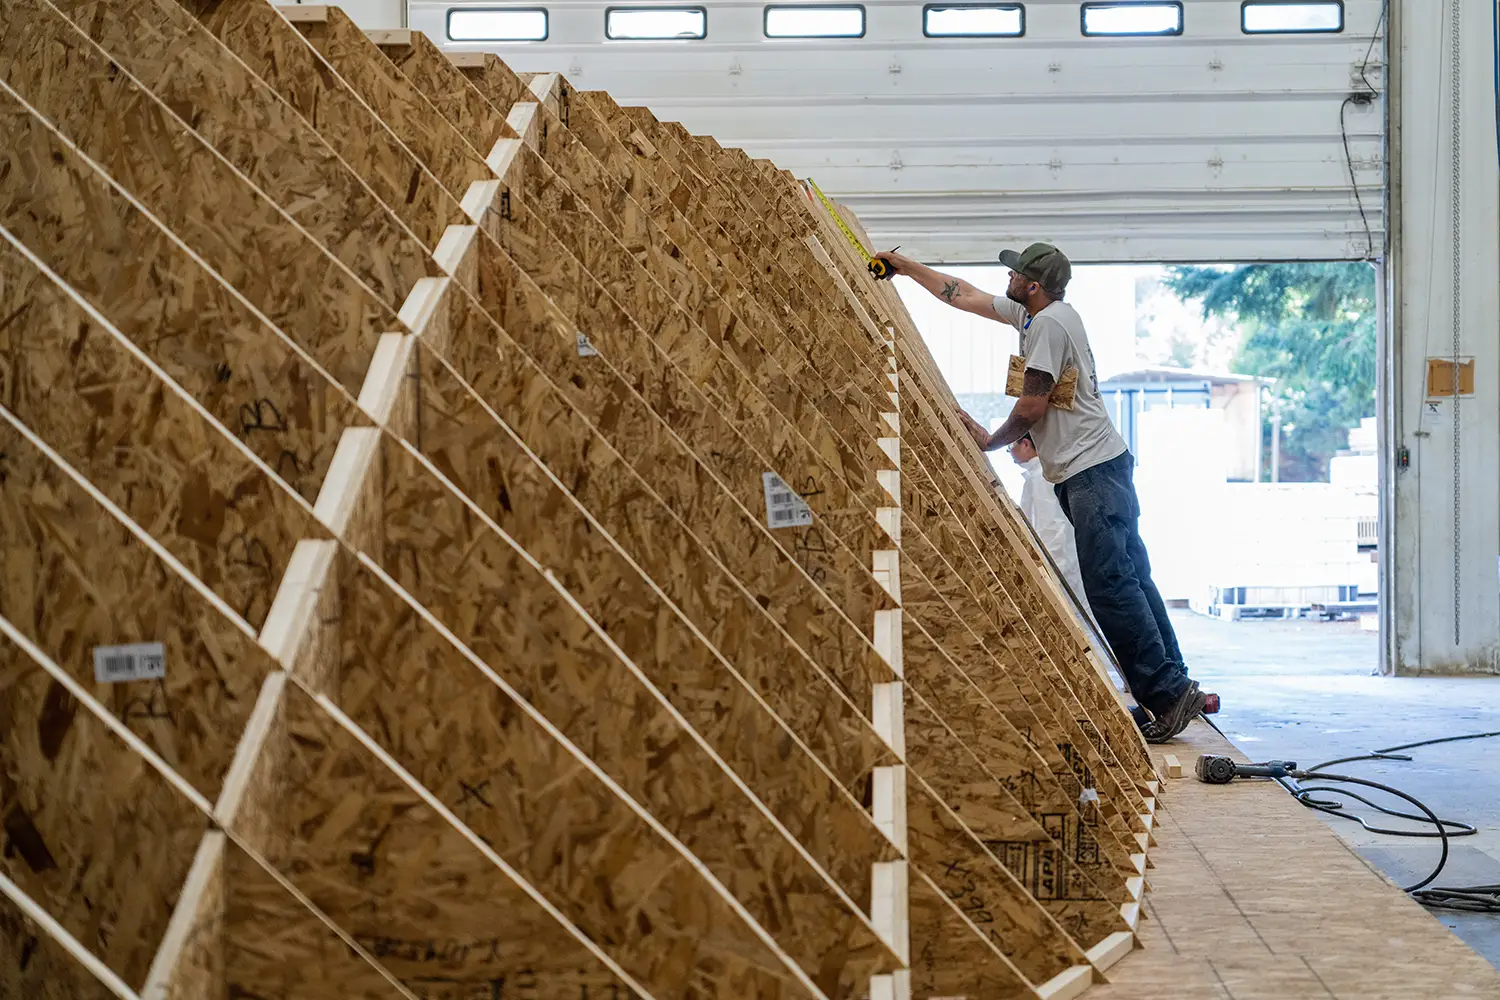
{"points": [[571, 575]]}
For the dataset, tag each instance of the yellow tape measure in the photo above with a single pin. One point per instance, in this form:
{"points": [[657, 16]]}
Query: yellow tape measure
{"points": [[879, 268]]}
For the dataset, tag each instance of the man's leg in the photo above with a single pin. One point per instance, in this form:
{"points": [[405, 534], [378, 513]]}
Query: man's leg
{"points": [[1142, 562], [1101, 504]]}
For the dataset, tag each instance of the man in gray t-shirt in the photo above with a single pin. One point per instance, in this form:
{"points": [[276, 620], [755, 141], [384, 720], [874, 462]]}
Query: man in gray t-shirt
{"points": [[1090, 467]]}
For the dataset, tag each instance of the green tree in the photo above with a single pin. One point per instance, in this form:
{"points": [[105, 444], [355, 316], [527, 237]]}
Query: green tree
{"points": [[1312, 328]]}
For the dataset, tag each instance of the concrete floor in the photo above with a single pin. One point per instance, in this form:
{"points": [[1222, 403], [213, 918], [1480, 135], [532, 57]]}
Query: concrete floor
{"points": [[1306, 691]]}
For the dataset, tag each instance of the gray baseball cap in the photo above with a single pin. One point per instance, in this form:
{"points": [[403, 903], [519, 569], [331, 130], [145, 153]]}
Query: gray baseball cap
{"points": [[1042, 263]]}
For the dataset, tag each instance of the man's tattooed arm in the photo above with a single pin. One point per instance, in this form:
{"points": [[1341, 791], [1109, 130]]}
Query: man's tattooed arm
{"points": [[1037, 383], [1026, 414], [955, 291]]}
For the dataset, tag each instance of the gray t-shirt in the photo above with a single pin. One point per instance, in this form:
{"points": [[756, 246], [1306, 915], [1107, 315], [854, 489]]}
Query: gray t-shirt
{"points": [[1067, 441]]}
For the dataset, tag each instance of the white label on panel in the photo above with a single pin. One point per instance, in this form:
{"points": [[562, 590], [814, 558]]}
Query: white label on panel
{"points": [[784, 508], [142, 661]]}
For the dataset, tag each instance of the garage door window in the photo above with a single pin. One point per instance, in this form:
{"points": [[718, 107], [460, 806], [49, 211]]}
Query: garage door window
{"points": [[1132, 19], [1260, 17], [685, 23], [972, 20], [509, 24], [786, 21]]}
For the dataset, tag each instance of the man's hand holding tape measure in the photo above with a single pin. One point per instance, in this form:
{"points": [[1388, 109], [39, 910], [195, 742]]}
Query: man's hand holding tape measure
{"points": [[878, 267]]}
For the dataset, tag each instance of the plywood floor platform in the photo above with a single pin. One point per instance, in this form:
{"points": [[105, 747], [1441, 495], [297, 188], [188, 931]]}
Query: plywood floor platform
{"points": [[1253, 898]]}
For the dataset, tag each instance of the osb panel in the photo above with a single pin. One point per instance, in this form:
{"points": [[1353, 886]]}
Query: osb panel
{"points": [[736, 363], [1007, 917], [946, 962], [1003, 686], [264, 41], [838, 348], [329, 440], [718, 428], [197, 969], [450, 92], [274, 947], [1000, 735], [198, 196], [35, 966], [242, 118], [677, 336], [74, 578], [791, 272], [1055, 857], [652, 182], [513, 784], [631, 223], [1006, 755], [171, 470], [463, 440], [784, 586], [332, 236], [770, 276], [477, 584], [552, 213], [206, 338], [398, 877], [92, 833], [404, 110], [497, 83], [810, 701]]}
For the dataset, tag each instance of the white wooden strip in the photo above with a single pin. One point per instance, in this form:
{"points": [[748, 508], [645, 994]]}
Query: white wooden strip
{"points": [[69, 943], [1067, 984], [207, 866], [1109, 951]]}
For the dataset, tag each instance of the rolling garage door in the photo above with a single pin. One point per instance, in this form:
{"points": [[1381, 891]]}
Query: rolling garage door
{"points": [[1215, 143]]}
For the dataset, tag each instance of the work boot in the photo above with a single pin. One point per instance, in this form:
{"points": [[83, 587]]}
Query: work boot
{"points": [[1168, 723]]}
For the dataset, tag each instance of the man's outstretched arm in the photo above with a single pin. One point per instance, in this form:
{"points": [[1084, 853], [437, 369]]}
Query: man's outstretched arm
{"points": [[1025, 415], [955, 291]]}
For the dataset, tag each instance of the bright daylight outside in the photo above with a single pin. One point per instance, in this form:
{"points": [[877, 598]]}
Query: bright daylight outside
{"points": [[1247, 395]]}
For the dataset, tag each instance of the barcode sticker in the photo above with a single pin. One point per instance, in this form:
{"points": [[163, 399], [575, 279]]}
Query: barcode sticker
{"points": [[142, 661], [784, 508], [586, 349]]}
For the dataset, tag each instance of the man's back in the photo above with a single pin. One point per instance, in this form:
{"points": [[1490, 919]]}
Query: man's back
{"points": [[1054, 340]]}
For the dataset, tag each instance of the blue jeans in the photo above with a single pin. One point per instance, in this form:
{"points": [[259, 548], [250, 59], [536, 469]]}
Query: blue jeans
{"points": [[1102, 505]]}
